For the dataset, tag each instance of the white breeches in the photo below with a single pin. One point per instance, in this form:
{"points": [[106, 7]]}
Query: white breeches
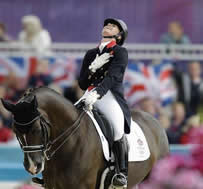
{"points": [[113, 113]]}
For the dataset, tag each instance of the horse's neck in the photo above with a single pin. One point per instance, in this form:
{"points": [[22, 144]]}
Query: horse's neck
{"points": [[60, 113], [77, 151]]}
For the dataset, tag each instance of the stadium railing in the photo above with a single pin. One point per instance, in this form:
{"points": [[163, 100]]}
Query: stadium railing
{"points": [[136, 51]]}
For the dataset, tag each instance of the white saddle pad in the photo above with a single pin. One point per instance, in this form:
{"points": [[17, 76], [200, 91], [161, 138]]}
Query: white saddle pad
{"points": [[138, 147]]}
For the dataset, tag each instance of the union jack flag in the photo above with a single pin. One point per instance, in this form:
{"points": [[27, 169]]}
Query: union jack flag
{"points": [[152, 80], [22, 67], [62, 69]]}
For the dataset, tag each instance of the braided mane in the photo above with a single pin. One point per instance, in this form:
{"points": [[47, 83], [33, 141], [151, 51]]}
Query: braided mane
{"points": [[27, 94]]}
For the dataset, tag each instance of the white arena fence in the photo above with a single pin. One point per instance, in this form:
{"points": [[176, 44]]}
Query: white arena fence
{"points": [[136, 51]]}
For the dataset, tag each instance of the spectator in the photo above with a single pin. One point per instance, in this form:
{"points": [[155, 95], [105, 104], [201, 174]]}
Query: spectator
{"points": [[174, 132], [6, 134], [6, 116], [165, 121], [192, 124], [148, 105], [3, 36], [34, 34], [175, 34], [190, 87], [41, 76], [200, 111], [15, 86]]}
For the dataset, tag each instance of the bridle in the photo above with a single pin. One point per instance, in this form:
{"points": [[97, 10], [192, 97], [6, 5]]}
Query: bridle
{"points": [[48, 147]]}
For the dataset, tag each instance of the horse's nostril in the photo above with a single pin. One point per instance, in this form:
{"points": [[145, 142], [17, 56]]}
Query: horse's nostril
{"points": [[38, 165]]}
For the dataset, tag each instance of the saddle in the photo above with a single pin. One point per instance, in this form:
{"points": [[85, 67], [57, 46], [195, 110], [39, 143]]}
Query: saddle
{"points": [[105, 126]]}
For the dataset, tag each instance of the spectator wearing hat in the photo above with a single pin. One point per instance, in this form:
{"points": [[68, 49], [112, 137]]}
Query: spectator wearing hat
{"points": [[34, 34]]}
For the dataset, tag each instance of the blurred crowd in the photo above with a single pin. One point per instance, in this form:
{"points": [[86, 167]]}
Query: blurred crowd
{"points": [[179, 118], [183, 171], [185, 113], [32, 34]]}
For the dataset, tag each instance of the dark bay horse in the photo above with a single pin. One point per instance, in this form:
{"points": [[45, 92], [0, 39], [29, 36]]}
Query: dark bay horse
{"points": [[62, 143]]}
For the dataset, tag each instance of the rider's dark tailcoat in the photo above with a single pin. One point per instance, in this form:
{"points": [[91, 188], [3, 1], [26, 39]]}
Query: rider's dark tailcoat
{"points": [[108, 77]]}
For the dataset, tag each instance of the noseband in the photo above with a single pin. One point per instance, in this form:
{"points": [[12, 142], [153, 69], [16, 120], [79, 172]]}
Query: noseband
{"points": [[49, 148]]}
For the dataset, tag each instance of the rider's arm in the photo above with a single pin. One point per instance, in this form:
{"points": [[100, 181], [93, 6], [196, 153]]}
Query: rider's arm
{"points": [[115, 72]]}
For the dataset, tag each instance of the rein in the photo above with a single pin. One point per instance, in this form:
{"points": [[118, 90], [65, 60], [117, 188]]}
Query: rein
{"points": [[47, 146]]}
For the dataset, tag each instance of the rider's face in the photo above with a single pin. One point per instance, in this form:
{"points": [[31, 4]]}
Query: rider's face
{"points": [[110, 29]]}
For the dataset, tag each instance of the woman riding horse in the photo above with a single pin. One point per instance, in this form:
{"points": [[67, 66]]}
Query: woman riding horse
{"points": [[102, 77], [61, 142]]}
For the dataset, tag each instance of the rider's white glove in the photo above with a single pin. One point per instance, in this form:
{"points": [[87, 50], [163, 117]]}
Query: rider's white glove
{"points": [[91, 98], [99, 61]]}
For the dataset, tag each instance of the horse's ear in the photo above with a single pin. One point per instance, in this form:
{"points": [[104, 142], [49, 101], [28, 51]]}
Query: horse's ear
{"points": [[34, 102], [8, 106]]}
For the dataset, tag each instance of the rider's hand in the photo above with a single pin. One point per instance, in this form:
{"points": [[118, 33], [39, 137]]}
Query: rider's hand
{"points": [[99, 61], [91, 98]]}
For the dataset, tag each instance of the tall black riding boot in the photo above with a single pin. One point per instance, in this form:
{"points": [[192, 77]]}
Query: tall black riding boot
{"points": [[121, 156]]}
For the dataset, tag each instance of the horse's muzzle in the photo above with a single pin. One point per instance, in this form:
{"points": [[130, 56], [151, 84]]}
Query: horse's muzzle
{"points": [[33, 166]]}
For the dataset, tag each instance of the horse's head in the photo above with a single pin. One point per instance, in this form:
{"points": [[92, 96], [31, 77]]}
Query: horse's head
{"points": [[30, 132]]}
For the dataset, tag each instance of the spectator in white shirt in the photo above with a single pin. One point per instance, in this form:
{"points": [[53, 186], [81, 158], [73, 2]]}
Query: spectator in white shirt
{"points": [[34, 34]]}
